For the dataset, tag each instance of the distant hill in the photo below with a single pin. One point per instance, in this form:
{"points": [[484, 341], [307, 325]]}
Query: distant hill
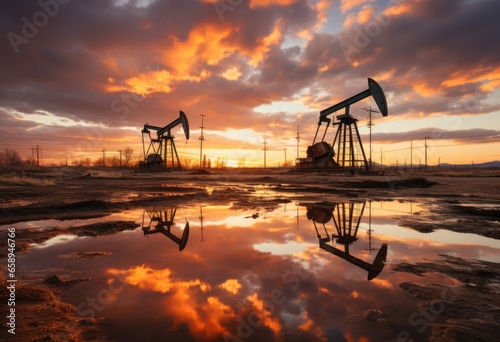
{"points": [[492, 164], [495, 163]]}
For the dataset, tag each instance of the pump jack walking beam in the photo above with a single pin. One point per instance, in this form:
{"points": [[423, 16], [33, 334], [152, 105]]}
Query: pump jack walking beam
{"points": [[374, 89]]}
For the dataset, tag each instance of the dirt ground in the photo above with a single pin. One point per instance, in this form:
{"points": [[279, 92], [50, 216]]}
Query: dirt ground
{"points": [[461, 201]]}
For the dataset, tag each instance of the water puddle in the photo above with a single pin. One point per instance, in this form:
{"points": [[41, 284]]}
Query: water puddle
{"points": [[304, 271]]}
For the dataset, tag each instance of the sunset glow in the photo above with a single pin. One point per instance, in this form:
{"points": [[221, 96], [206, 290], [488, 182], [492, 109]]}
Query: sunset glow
{"points": [[88, 78]]}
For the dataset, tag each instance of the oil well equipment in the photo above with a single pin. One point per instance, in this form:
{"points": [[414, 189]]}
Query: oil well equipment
{"points": [[345, 217], [346, 151], [161, 152], [162, 221]]}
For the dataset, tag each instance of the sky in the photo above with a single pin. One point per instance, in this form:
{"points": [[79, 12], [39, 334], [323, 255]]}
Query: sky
{"points": [[80, 77]]}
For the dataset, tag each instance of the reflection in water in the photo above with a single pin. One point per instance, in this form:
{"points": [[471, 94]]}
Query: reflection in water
{"points": [[253, 279], [161, 221], [201, 222], [346, 218]]}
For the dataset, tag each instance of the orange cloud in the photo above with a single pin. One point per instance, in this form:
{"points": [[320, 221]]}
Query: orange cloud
{"points": [[348, 337], [204, 317], [264, 315], [274, 38], [424, 89], [144, 84], [398, 9], [322, 8], [269, 3], [156, 280], [349, 20], [309, 326], [382, 283], [473, 76], [346, 5], [362, 17], [231, 286], [231, 74], [365, 14], [490, 86], [206, 45]]}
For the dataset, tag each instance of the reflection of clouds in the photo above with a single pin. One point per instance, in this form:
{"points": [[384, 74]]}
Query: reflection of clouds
{"points": [[215, 285], [382, 283], [265, 314], [156, 280], [287, 248], [187, 303]]}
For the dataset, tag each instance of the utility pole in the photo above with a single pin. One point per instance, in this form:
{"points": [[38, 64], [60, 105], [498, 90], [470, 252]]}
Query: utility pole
{"points": [[120, 157], [370, 124], [201, 139], [285, 157], [425, 144], [104, 157], [32, 157], [298, 141], [411, 154], [37, 156], [265, 150], [201, 222]]}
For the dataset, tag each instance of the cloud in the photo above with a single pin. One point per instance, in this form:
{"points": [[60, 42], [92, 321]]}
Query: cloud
{"points": [[121, 64], [347, 5]]}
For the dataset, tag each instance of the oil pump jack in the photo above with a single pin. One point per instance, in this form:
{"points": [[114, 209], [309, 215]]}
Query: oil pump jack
{"points": [[349, 148], [162, 221], [346, 218], [161, 152]]}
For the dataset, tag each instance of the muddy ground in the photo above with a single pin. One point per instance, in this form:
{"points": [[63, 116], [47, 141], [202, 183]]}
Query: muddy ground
{"points": [[460, 201]]}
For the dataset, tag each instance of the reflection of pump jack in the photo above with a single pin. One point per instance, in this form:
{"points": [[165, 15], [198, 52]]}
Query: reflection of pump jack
{"points": [[346, 218], [162, 221], [201, 222]]}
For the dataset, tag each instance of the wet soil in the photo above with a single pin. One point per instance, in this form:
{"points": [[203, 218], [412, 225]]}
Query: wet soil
{"points": [[461, 203], [467, 310], [40, 315]]}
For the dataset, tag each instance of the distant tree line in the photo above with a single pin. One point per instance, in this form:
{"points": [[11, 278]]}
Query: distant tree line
{"points": [[126, 158], [10, 157]]}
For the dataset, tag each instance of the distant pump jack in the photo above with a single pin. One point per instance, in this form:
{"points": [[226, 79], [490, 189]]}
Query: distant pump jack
{"points": [[347, 142], [161, 152]]}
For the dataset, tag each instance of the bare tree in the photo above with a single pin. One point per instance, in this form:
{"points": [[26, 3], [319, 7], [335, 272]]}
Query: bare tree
{"points": [[128, 155], [10, 158], [98, 162], [115, 161]]}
